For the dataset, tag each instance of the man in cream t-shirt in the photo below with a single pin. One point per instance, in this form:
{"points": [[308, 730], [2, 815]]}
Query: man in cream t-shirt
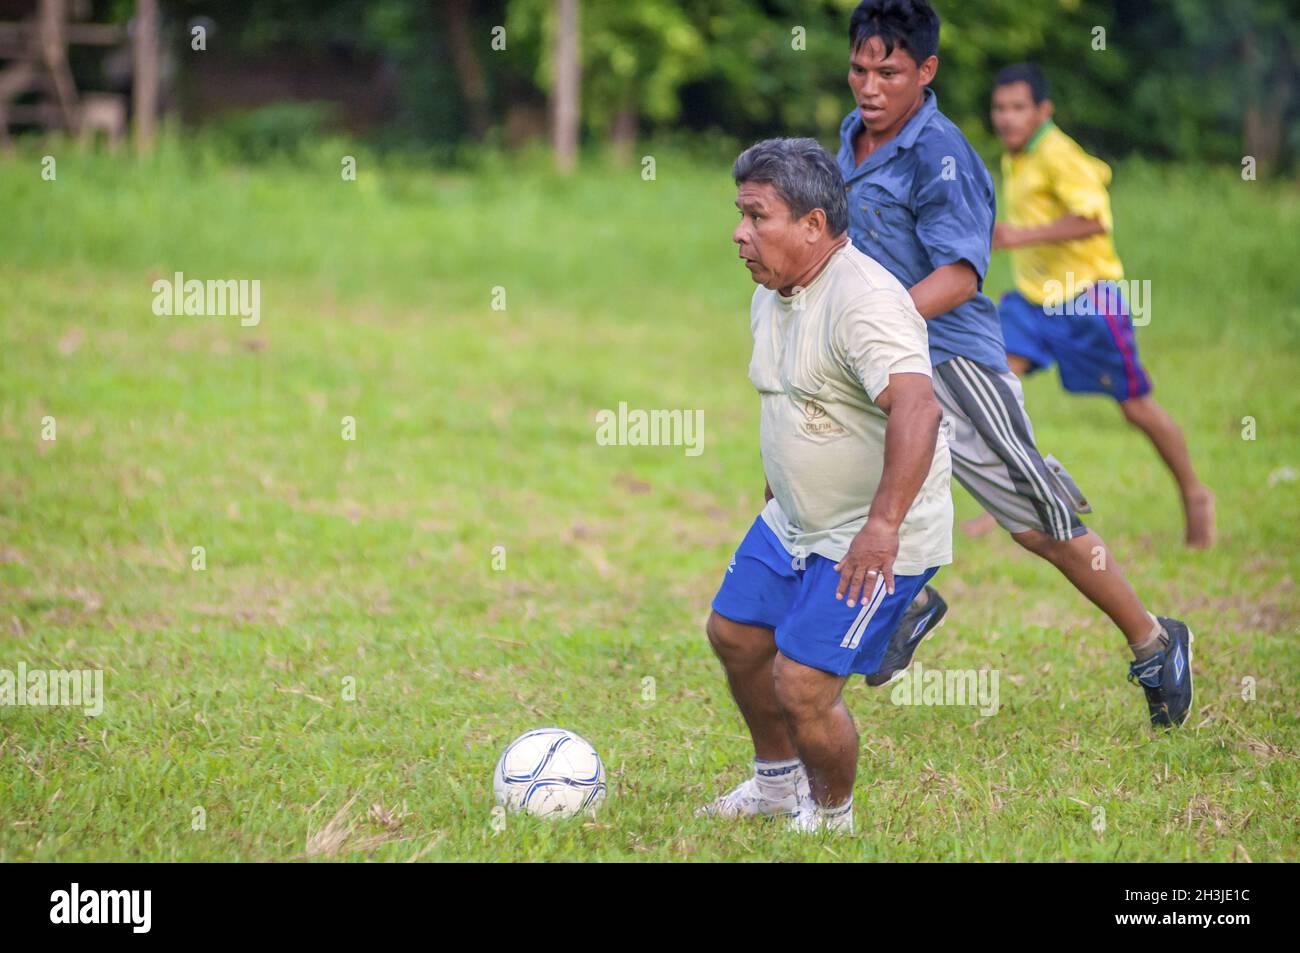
{"points": [[858, 515]]}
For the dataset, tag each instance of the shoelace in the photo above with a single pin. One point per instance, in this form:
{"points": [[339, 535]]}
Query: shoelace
{"points": [[1152, 671]]}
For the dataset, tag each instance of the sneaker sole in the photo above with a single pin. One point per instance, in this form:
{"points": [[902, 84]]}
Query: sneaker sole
{"points": [[745, 818], [740, 815]]}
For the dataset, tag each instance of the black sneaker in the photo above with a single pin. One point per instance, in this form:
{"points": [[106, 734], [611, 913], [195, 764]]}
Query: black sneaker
{"points": [[912, 629], [1166, 677]]}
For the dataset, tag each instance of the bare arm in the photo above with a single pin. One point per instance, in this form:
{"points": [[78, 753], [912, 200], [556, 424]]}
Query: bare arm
{"points": [[1067, 228], [910, 436], [944, 289]]}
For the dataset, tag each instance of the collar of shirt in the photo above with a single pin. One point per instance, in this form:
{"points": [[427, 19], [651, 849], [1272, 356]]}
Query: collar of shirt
{"points": [[1038, 135], [1014, 160], [905, 139]]}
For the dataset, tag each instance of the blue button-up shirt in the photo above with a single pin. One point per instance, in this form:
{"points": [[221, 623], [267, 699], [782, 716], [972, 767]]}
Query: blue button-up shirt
{"points": [[921, 201]]}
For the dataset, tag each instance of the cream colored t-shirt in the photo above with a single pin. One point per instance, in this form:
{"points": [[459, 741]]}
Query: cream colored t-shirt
{"points": [[820, 359]]}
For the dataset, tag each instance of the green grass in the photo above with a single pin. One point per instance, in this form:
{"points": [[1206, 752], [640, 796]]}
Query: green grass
{"points": [[372, 559]]}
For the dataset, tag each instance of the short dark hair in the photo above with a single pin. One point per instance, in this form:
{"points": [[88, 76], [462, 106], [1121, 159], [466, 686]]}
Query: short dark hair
{"points": [[1025, 73], [803, 174], [911, 25]]}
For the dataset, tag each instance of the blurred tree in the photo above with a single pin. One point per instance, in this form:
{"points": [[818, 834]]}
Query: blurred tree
{"points": [[464, 56], [564, 58], [1209, 79], [634, 58], [434, 51], [1218, 77]]}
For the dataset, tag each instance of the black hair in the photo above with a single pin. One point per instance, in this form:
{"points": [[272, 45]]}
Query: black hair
{"points": [[1025, 73], [911, 25], [803, 174]]}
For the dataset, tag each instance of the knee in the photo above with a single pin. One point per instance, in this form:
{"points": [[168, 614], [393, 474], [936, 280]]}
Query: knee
{"points": [[800, 699], [730, 639]]}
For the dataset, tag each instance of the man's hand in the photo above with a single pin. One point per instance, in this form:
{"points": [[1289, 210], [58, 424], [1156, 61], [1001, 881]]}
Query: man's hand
{"points": [[1005, 236], [870, 556]]}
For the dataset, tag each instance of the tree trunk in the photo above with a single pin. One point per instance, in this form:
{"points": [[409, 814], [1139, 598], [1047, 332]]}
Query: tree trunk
{"points": [[144, 85], [564, 115], [1263, 133], [467, 69], [1267, 99], [53, 25], [622, 134]]}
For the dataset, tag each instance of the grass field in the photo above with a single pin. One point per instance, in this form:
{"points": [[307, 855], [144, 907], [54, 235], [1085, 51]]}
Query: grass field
{"points": [[368, 563]]}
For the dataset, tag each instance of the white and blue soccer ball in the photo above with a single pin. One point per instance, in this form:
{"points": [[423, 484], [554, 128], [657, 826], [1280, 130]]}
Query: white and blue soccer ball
{"points": [[549, 772]]}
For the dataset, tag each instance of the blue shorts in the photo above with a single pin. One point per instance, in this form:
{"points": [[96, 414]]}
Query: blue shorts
{"points": [[1095, 352], [766, 586]]}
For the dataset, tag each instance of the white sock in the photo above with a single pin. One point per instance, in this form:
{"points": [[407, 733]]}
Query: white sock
{"points": [[776, 779], [839, 808], [840, 816]]}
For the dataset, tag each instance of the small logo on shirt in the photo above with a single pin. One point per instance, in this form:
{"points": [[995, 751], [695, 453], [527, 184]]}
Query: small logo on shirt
{"points": [[731, 566], [817, 424]]}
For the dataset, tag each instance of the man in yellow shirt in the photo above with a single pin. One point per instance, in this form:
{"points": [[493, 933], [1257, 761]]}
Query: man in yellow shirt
{"points": [[1069, 305]]}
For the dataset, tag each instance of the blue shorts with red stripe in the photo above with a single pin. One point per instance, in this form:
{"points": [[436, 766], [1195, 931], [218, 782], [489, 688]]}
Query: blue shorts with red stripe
{"points": [[1091, 342], [795, 595]]}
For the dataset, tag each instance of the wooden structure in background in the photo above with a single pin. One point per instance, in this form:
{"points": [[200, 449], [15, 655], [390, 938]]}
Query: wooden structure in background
{"points": [[34, 52]]}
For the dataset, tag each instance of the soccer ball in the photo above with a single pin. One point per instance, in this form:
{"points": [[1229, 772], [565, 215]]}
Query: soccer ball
{"points": [[549, 772]]}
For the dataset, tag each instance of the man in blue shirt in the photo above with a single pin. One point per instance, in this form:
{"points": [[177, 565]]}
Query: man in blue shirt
{"points": [[921, 203]]}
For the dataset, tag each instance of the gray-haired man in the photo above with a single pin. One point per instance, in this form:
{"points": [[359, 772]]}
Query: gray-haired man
{"points": [[858, 513]]}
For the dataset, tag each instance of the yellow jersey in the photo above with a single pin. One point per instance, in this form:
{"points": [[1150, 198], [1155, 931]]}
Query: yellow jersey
{"points": [[1050, 178]]}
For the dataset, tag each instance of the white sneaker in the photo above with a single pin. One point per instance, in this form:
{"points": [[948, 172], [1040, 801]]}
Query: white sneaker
{"points": [[809, 818], [746, 799]]}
